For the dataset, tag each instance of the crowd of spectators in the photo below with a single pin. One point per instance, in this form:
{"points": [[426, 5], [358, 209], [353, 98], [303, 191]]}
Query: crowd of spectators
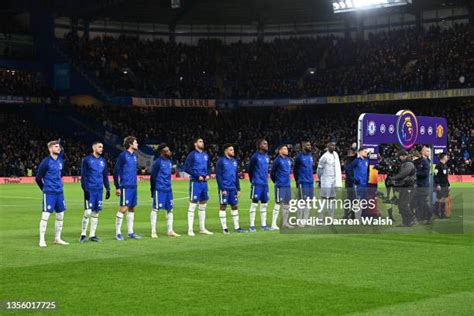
{"points": [[23, 83], [398, 60], [243, 127], [23, 144]]}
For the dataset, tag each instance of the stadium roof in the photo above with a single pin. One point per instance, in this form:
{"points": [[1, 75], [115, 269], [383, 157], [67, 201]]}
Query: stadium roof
{"points": [[213, 11]]}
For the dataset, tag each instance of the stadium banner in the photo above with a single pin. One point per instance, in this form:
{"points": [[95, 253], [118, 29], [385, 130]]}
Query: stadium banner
{"points": [[85, 100], [412, 95], [184, 103], [10, 99], [404, 129], [124, 101], [271, 102], [263, 102], [141, 178], [307, 101]]}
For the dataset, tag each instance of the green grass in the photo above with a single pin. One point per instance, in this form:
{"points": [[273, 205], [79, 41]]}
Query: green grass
{"points": [[264, 273]]}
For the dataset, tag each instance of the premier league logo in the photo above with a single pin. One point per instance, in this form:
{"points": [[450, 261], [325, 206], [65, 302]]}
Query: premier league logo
{"points": [[407, 128], [382, 128], [371, 128], [422, 130], [430, 130]]}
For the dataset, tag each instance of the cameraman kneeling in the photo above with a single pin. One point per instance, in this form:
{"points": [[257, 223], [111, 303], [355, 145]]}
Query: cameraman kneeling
{"points": [[404, 182]]}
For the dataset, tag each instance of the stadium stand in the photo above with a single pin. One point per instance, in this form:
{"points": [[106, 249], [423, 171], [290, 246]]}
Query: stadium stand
{"points": [[23, 83], [399, 60], [23, 146], [178, 127]]}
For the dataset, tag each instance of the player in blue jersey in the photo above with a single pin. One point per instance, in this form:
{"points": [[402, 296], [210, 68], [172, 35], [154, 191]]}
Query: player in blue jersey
{"points": [[258, 174], [161, 192], [228, 185], [198, 166], [303, 172], [125, 181], [360, 170], [280, 175], [49, 180], [94, 176]]}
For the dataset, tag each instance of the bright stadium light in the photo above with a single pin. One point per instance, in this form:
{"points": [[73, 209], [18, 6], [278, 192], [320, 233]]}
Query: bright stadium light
{"points": [[354, 5]]}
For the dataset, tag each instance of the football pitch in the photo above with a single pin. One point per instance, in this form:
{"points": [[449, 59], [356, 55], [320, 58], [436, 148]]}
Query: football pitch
{"points": [[258, 273]]}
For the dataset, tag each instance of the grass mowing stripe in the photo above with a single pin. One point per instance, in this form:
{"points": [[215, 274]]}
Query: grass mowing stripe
{"points": [[265, 272]]}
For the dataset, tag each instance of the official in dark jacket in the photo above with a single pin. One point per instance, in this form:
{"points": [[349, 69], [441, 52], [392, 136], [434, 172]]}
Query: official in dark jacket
{"points": [[404, 181], [441, 184], [423, 176]]}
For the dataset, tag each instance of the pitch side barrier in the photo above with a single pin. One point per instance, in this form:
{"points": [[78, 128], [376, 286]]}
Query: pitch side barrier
{"points": [[77, 179]]}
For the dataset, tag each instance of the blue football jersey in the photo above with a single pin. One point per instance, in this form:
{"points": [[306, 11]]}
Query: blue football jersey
{"points": [[94, 174], [125, 171], [227, 174]]}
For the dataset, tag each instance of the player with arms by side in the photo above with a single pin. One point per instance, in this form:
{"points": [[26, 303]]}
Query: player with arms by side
{"points": [[228, 184], [303, 173], [49, 180], [125, 181], [258, 174], [198, 167], [161, 191], [94, 176], [280, 175], [442, 185], [330, 178]]}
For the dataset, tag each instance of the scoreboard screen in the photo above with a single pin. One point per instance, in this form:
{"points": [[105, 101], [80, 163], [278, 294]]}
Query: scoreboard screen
{"points": [[355, 5]]}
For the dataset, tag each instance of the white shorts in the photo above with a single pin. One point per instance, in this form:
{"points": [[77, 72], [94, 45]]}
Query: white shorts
{"points": [[328, 187]]}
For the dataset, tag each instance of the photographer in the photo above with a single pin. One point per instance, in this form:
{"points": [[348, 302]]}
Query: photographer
{"points": [[404, 182], [389, 166]]}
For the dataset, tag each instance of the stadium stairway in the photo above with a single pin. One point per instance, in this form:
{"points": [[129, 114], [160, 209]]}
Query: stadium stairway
{"points": [[82, 81], [66, 122], [89, 131]]}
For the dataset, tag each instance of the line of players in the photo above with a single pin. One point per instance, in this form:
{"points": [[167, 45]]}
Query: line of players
{"points": [[94, 177]]}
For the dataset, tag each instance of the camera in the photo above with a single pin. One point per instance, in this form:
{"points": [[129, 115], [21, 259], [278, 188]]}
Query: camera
{"points": [[389, 166]]}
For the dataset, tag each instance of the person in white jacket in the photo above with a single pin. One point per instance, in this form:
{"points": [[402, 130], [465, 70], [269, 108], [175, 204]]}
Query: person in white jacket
{"points": [[330, 178]]}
